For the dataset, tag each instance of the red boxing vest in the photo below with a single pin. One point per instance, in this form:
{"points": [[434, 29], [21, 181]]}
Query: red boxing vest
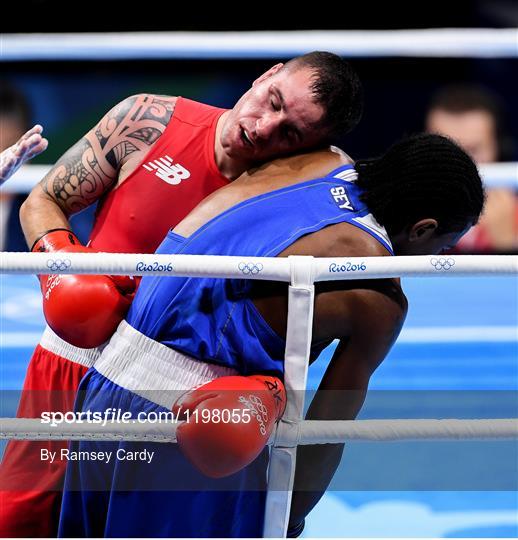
{"points": [[177, 173]]}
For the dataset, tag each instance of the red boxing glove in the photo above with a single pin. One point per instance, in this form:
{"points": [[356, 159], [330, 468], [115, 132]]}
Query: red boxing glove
{"points": [[84, 310], [228, 421]]}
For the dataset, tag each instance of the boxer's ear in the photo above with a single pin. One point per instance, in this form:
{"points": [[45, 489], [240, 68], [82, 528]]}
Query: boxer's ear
{"points": [[422, 230], [267, 74]]}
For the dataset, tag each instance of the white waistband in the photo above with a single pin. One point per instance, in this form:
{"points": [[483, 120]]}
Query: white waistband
{"points": [[53, 343], [152, 370]]}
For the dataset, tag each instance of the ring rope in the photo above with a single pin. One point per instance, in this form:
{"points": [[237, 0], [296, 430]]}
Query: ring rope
{"points": [[441, 42], [494, 175], [262, 268], [308, 431]]}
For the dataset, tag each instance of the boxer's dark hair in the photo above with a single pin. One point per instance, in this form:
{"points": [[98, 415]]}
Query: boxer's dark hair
{"points": [[14, 104], [423, 176], [337, 87]]}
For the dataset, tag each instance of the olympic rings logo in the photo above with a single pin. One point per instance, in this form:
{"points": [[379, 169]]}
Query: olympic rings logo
{"points": [[442, 263], [257, 409], [58, 265], [249, 268], [258, 405]]}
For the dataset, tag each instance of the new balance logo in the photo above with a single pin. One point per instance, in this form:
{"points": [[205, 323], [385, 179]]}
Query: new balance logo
{"points": [[166, 171]]}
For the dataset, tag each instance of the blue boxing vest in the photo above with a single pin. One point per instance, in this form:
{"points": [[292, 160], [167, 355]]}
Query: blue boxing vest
{"points": [[214, 320]]}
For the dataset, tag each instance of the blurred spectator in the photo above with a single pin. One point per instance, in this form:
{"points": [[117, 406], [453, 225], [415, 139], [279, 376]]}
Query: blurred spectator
{"points": [[15, 120], [472, 117]]}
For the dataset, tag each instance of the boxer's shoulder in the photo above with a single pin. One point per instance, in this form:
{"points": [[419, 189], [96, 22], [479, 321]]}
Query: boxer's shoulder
{"points": [[301, 167]]}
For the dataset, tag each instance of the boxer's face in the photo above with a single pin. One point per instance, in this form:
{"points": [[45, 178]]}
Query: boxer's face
{"points": [[444, 242], [423, 239], [277, 116]]}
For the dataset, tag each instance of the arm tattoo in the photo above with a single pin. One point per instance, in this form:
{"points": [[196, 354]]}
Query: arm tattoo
{"points": [[77, 180], [90, 168]]}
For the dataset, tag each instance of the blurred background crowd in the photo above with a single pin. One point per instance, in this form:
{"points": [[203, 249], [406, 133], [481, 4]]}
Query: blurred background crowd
{"points": [[472, 100]]}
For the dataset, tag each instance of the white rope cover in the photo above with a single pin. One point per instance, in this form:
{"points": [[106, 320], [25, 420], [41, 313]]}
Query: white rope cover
{"points": [[494, 175], [443, 42], [283, 455], [261, 268], [309, 431]]}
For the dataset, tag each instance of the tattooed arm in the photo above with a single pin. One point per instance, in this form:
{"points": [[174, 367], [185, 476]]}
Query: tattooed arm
{"points": [[92, 166]]}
